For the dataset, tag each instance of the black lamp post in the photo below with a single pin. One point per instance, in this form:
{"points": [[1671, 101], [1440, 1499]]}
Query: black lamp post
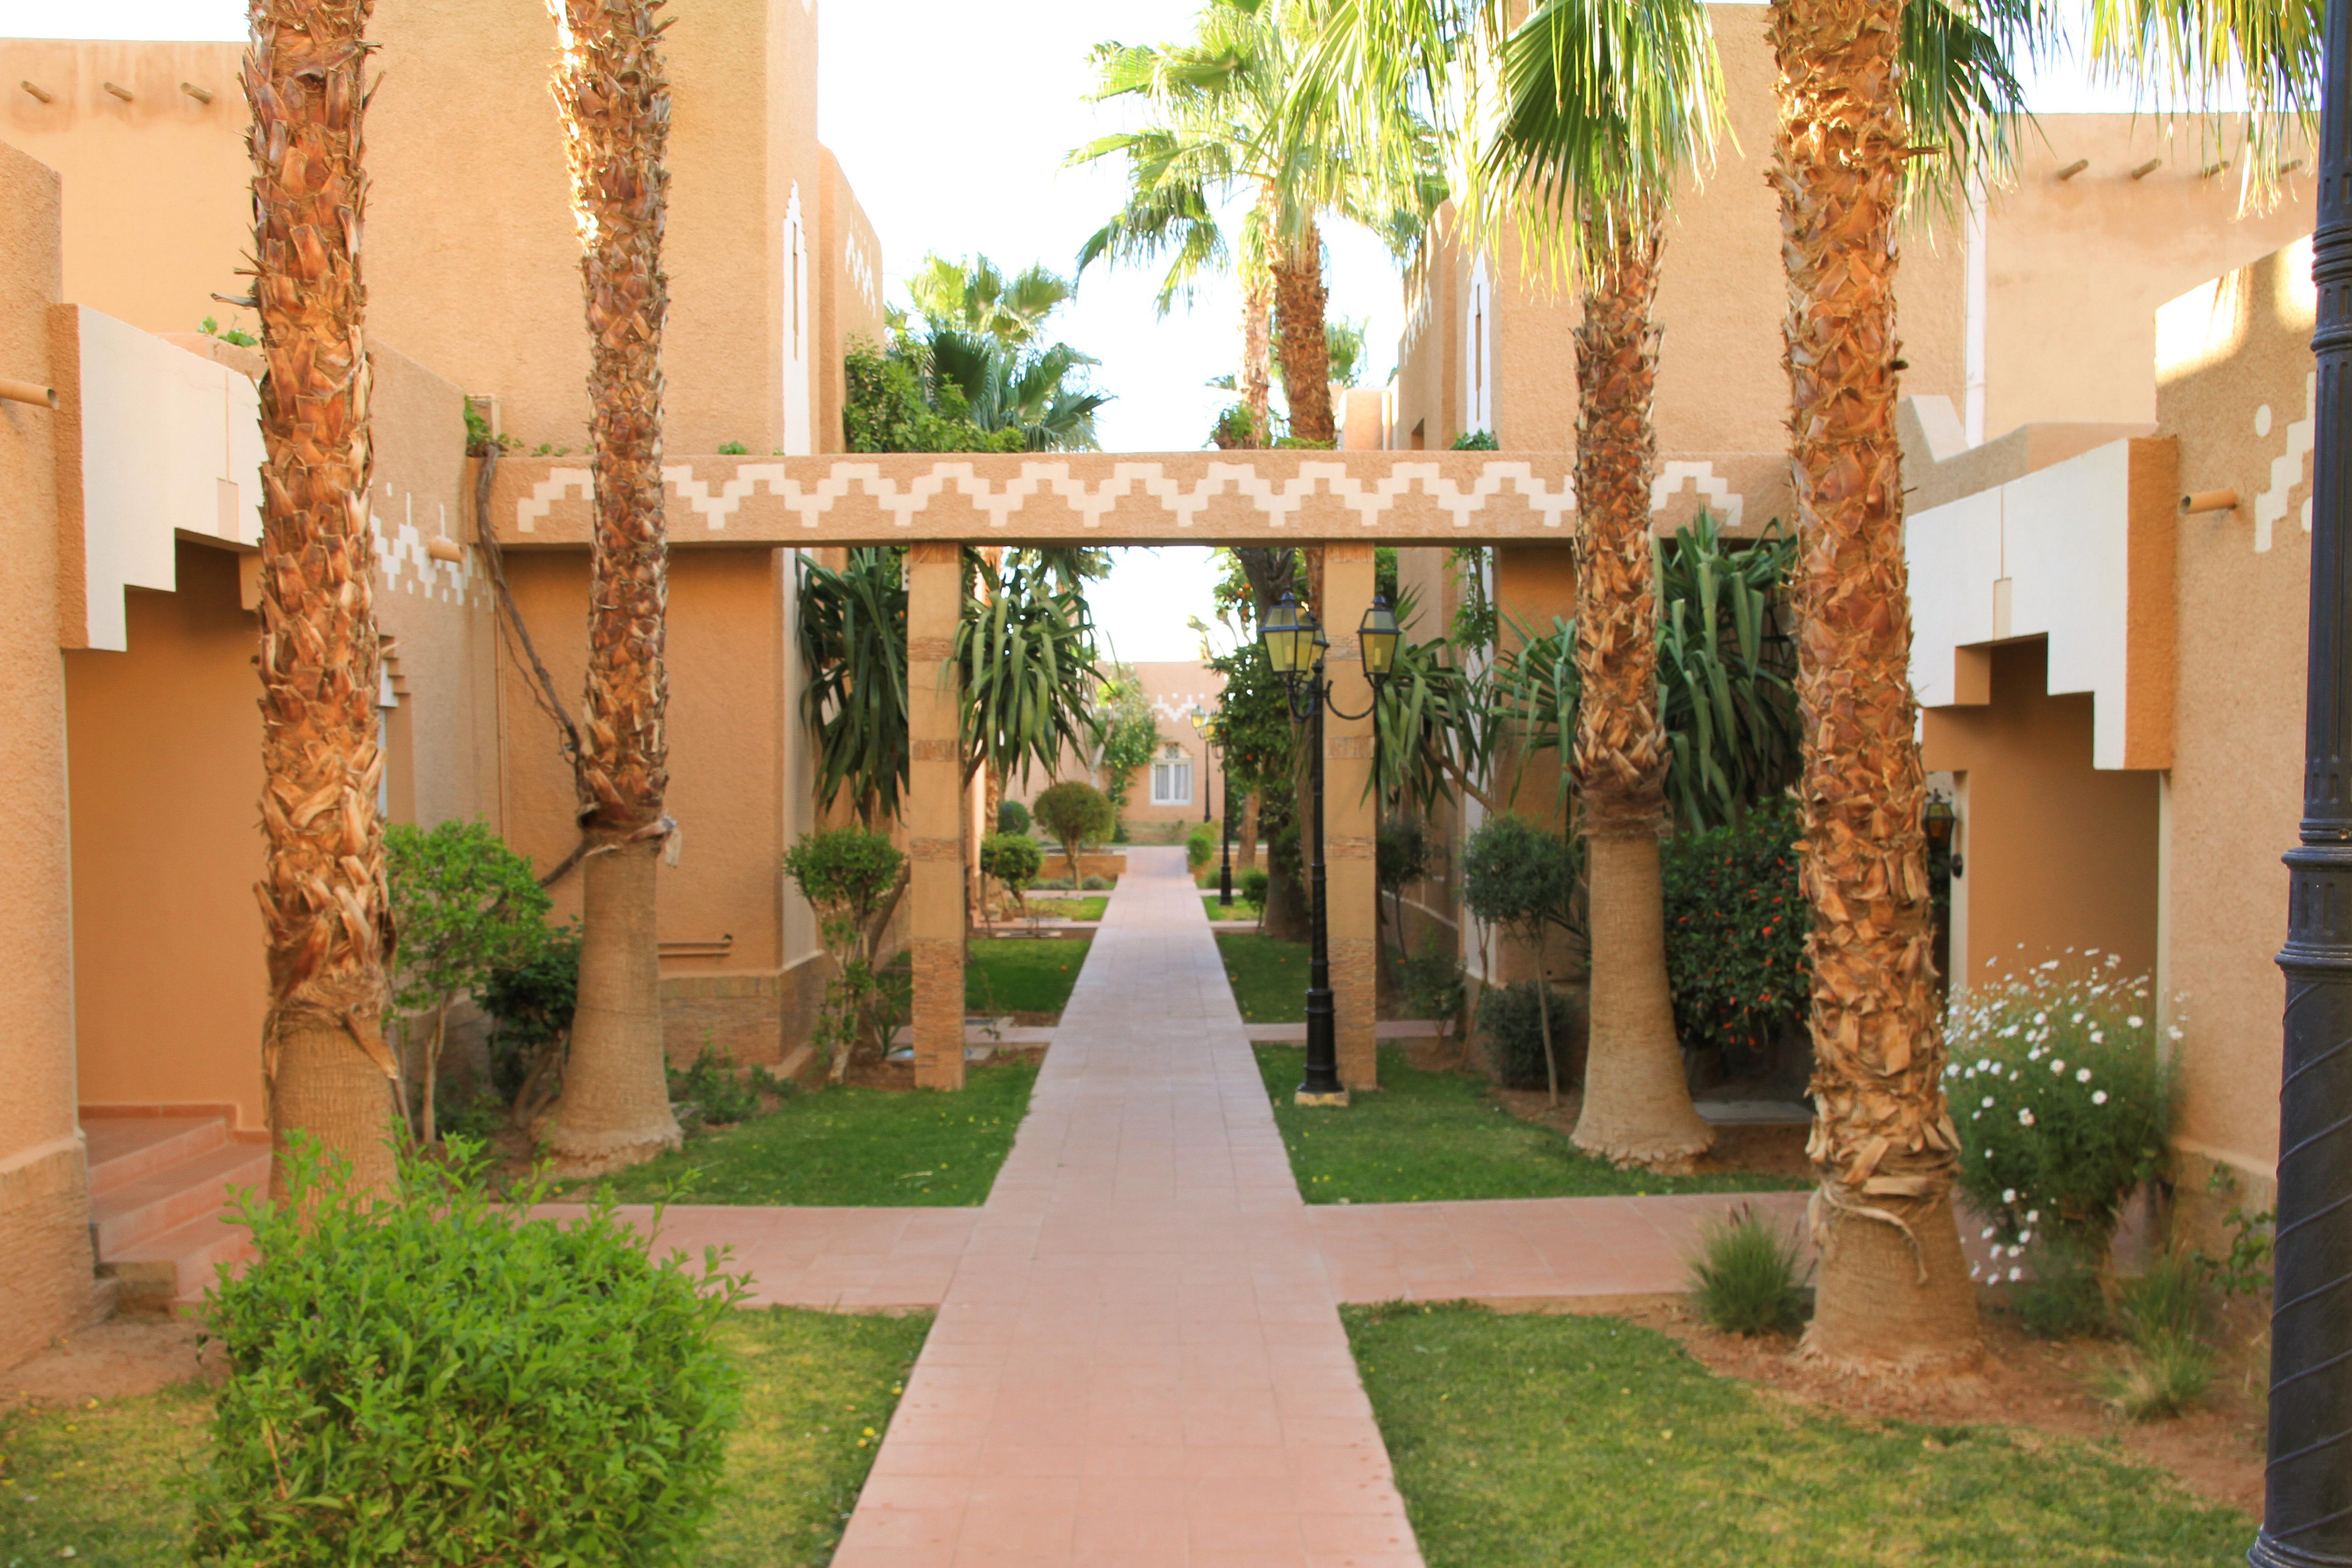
{"points": [[1204, 722], [2307, 1488], [1295, 645]]}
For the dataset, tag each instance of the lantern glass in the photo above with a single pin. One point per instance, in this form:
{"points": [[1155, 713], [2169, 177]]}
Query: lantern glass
{"points": [[1379, 637], [1280, 635], [1938, 820], [1312, 643]]}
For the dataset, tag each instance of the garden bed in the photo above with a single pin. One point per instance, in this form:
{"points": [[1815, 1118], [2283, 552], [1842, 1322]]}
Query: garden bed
{"points": [[1437, 1136], [1534, 1440], [851, 1145], [96, 1484], [1242, 910]]}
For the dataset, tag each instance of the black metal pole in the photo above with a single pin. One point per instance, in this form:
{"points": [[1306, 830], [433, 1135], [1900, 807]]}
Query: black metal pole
{"points": [[1322, 1037], [2307, 1511], [1225, 846]]}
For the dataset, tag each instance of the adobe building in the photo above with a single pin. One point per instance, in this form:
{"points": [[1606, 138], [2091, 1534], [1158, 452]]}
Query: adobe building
{"points": [[1167, 795], [137, 983]]}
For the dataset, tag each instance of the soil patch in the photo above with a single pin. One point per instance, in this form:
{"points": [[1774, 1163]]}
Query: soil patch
{"points": [[1738, 1146], [2038, 1384], [865, 1072], [118, 1359]]}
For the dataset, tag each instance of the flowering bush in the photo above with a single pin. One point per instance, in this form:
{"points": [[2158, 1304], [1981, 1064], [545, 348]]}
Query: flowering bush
{"points": [[1735, 926], [2062, 1100]]}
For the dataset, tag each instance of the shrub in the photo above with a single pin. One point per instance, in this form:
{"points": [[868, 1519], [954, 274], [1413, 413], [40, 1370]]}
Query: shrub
{"points": [[1529, 881], [1256, 883], [1200, 845], [530, 1006], [1432, 987], [1077, 814], [1011, 817], [1735, 926], [853, 877], [2063, 1299], [1747, 1276], [886, 411], [1475, 441], [2169, 1298], [2062, 1099], [2165, 1377], [445, 1379], [1096, 885], [1014, 860], [465, 906], [719, 1094], [1512, 1020]]}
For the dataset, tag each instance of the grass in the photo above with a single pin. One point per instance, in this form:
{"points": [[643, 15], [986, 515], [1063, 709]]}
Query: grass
{"points": [[1088, 908], [851, 1147], [1022, 975], [1528, 1441], [1268, 977], [99, 1481], [1429, 1136], [1242, 908]]}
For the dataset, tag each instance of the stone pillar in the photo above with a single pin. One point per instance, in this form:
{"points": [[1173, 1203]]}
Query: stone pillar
{"points": [[934, 812], [1351, 816]]}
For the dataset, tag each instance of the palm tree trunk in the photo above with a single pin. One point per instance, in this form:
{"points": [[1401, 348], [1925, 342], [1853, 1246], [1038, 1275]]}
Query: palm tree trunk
{"points": [[329, 1075], [1637, 1106], [1257, 322], [1893, 1288], [1303, 342], [615, 102]]}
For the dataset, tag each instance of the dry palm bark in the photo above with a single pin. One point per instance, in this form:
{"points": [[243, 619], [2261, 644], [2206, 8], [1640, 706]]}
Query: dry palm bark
{"points": [[1299, 300], [1893, 1290], [1257, 324], [1637, 1105], [614, 103], [323, 897]]}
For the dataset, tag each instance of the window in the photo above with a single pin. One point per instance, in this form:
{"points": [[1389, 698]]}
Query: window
{"points": [[1171, 778]]}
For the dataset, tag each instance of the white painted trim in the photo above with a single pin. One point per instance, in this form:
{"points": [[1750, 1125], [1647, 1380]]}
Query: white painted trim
{"points": [[1978, 281]]}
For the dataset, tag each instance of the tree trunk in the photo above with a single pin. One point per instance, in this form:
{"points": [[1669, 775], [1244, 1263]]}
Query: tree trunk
{"points": [[1258, 323], [326, 1071], [432, 1121], [614, 103], [1299, 300], [1246, 834], [1637, 1106], [1893, 1291], [1543, 1011]]}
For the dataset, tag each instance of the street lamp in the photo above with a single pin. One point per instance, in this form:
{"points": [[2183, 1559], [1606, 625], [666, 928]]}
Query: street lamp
{"points": [[1294, 645], [1202, 721], [2307, 1485]]}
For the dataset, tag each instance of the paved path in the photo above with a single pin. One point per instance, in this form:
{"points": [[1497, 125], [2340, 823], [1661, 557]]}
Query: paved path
{"points": [[1139, 1362]]}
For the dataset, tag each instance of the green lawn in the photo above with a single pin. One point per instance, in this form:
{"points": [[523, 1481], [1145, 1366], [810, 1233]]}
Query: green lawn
{"points": [[851, 1147], [1242, 908], [1526, 1441], [1022, 975], [1060, 908], [96, 1486], [1430, 1136], [1268, 977]]}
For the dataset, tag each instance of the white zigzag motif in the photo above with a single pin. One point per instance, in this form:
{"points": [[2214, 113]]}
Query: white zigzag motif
{"points": [[1702, 477], [1278, 500], [2286, 470]]}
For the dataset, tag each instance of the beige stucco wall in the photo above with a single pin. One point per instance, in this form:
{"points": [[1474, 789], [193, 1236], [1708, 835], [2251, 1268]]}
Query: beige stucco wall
{"points": [[1174, 687], [45, 1289], [2239, 397], [471, 262]]}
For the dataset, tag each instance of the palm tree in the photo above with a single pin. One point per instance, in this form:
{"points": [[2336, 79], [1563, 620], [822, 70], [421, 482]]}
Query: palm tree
{"points": [[1218, 127], [324, 899], [615, 102], [977, 297], [1038, 391]]}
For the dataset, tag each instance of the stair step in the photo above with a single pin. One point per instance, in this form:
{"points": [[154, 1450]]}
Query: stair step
{"points": [[173, 1269], [171, 1197], [124, 1147]]}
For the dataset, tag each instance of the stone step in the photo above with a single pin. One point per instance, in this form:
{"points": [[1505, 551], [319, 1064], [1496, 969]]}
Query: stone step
{"points": [[123, 1149], [171, 1271], [166, 1199]]}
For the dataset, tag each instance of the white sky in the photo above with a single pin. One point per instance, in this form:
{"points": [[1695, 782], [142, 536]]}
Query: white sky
{"points": [[951, 120]]}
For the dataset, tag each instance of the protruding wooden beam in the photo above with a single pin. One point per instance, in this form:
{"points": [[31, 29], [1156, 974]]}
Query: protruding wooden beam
{"points": [[2072, 169]]}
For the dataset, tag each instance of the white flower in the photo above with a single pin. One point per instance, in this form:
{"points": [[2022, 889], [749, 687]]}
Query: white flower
{"points": [[2051, 964], [1984, 1064], [2098, 1097], [1989, 1233], [2034, 1056], [2113, 959], [2008, 1195], [2135, 1021], [2026, 1119], [2076, 1019], [2083, 1075], [2173, 1033], [2025, 1237], [1988, 1104], [1974, 1273], [2098, 1038], [2058, 1067], [2016, 1274], [2009, 1033], [2042, 1018], [2033, 1217]]}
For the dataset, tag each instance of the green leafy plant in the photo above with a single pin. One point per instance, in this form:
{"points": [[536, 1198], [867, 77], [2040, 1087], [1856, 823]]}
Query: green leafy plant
{"points": [[1127, 734], [1475, 441], [465, 906], [445, 1379], [1530, 882], [1077, 814], [852, 876], [1433, 985], [2063, 1101], [2168, 1297], [720, 1093], [530, 1004], [1256, 883], [1200, 845], [2062, 1298], [1747, 1277], [1735, 926], [1523, 1028], [1011, 817], [1402, 853], [2163, 1376], [1014, 860], [732, 449], [2245, 1268], [889, 409], [233, 336]]}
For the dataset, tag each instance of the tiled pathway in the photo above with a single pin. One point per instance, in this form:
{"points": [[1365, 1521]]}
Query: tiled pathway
{"points": [[1139, 1362]]}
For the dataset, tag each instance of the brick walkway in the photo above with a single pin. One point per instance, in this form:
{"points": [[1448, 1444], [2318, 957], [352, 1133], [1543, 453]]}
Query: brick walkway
{"points": [[1139, 1362]]}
